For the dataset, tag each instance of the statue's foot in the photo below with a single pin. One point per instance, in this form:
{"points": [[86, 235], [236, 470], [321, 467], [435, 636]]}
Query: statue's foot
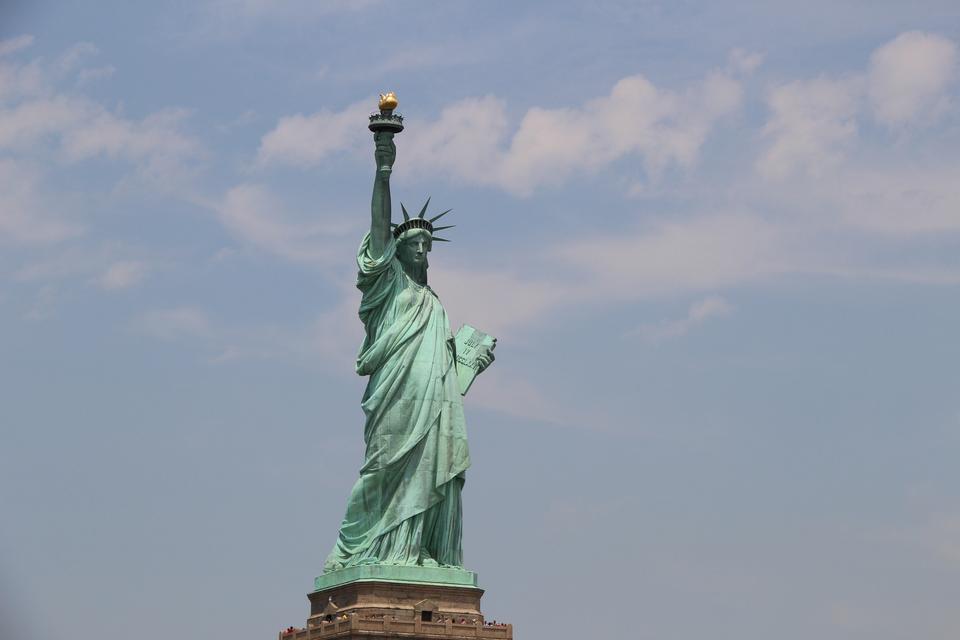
{"points": [[427, 561]]}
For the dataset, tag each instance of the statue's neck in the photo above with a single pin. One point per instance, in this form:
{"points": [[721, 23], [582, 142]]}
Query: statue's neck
{"points": [[416, 272]]}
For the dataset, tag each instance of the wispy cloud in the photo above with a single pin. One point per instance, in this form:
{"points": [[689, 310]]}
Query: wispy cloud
{"points": [[73, 56], [26, 215], [39, 116], [810, 140], [43, 118], [13, 45], [704, 253], [111, 266], [471, 141], [305, 141], [257, 217], [812, 122], [122, 275], [498, 300], [698, 313], [328, 341], [909, 78], [701, 253], [817, 161]]}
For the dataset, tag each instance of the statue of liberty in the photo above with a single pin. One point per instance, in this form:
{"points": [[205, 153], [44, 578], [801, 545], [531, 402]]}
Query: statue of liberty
{"points": [[405, 508]]}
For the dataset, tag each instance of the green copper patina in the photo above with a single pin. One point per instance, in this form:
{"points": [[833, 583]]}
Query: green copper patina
{"points": [[396, 573], [403, 518]]}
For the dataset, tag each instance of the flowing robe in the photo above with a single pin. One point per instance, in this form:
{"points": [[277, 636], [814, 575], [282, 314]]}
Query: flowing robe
{"points": [[405, 507]]}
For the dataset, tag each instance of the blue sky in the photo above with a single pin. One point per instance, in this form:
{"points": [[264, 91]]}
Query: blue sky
{"points": [[718, 243]]}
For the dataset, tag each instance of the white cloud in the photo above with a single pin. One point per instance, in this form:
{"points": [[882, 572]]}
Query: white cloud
{"points": [[154, 145], [253, 214], [823, 168], [812, 122], [122, 275], [898, 200], [465, 142], [701, 253], [469, 141], [498, 301], [155, 139], [12, 45], [909, 77], [307, 140], [31, 122], [753, 237], [709, 307], [24, 210], [743, 61], [22, 80], [173, 324], [334, 337], [663, 127], [39, 118], [75, 54], [329, 341]]}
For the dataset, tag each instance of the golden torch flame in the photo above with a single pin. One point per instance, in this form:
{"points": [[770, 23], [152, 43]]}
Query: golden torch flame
{"points": [[388, 101]]}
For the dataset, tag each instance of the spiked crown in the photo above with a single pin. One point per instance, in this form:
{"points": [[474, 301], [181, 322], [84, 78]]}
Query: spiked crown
{"points": [[420, 222]]}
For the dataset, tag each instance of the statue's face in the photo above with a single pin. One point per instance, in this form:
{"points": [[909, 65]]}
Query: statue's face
{"points": [[413, 247]]}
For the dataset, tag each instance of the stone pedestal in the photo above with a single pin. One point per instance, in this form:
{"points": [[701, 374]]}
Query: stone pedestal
{"points": [[379, 608]]}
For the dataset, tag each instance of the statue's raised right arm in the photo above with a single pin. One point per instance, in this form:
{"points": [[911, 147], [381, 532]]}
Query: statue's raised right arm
{"points": [[385, 154]]}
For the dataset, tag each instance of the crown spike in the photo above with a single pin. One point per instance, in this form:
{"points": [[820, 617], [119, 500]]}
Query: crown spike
{"points": [[419, 222], [424, 210], [436, 239], [435, 218]]}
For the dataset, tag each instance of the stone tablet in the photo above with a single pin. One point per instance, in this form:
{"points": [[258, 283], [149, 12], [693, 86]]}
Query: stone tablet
{"points": [[471, 344]]}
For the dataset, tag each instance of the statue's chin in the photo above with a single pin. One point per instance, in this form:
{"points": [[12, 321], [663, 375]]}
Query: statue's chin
{"points": [[416, 270]]}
